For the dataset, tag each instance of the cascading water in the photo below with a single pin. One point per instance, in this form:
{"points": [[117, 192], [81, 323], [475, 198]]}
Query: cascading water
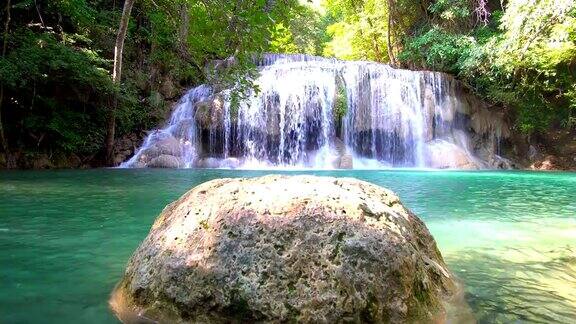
{"points": [[324, 113], [178, 142]]}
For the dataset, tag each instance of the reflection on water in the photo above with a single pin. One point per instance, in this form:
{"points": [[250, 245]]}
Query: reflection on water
{"points": [[527, 285], [65, 236]]}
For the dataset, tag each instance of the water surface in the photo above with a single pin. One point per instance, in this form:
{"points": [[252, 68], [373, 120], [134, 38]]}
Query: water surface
{"points": [[65, 236]]}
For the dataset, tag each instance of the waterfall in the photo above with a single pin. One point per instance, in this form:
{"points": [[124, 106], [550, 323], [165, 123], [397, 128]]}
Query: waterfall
{"points": [[314, 112]]}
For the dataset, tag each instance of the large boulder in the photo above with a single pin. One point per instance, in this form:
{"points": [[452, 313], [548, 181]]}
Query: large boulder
{"points": [[284, 249], [165, 151], [169, 145], [213, 163], [166, 161], [440, 154]]}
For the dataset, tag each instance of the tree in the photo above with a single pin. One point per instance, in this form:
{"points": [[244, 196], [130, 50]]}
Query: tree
{"points": [[3, 141], [360, 30], [391, 56], [521, 58], [116, 78], [62, 99]]}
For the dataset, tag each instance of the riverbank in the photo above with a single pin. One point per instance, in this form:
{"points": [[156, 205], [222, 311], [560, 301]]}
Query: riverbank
{"points": [[557, 151], [124, 147]]}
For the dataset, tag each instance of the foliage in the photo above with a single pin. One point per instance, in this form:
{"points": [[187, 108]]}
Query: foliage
{"points": [[358, 29], [439, 50], [54, 91], [56, 72], [282, 40], [521, 58], [341, 102]]}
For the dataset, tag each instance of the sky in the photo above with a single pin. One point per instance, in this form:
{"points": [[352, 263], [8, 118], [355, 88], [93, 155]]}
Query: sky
{"points": [[314, 3]]}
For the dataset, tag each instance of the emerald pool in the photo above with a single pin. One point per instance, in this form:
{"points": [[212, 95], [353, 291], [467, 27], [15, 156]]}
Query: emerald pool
{"points": [[65, 236]]}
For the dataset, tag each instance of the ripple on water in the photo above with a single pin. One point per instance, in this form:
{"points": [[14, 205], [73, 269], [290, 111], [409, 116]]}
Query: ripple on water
{"points": [[516, 285], [66, 236]]}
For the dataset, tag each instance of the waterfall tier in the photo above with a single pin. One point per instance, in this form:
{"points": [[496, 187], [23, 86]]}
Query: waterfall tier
{"points": [[322, 113]]}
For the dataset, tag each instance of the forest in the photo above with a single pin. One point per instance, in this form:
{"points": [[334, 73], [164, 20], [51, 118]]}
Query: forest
{"points": [[287, 161], [65, 97]]}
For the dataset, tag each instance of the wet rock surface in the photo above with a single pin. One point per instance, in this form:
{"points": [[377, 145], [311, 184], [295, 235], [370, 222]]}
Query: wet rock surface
{"points": [[166, 161], [125, 146], [443, 155], [277, 249]]}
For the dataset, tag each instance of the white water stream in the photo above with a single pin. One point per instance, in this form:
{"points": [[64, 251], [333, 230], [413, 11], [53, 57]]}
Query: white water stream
{"points": [[314, 112]]}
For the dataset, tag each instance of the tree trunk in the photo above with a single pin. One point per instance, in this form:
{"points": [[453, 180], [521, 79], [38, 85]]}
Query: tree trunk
{"points": [[375, 44], [116, 77], [388, 37], [269, 5], [183, 31], [3, 140]]}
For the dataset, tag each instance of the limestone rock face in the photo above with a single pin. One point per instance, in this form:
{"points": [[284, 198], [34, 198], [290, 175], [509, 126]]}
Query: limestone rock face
{"points": [[284, 249]]}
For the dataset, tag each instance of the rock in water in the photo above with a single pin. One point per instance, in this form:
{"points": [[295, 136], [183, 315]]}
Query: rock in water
{"points": [[279, 248], [165, 161]]}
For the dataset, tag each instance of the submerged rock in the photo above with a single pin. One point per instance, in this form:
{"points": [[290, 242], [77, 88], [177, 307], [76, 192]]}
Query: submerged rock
{"points": [[277, 249]]}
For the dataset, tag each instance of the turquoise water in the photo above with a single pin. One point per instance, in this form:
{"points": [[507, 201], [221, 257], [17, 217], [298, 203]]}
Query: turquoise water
{"points": [[65, 236]]}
